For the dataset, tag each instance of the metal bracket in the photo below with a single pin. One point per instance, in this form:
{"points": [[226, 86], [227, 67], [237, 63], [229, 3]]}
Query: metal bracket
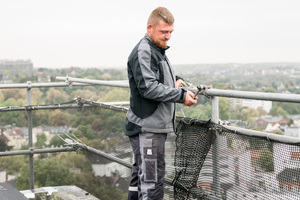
{"points": [[202, 90], [29, 85], [69, 82]]}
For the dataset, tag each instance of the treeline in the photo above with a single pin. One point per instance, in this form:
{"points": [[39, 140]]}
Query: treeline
{"points": [[263, 77], [259, 77], [96, 127], [102, 119], [101, 128]]}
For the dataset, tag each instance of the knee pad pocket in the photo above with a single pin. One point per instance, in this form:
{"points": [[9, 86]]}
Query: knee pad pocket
{"points": [[150, 170]]}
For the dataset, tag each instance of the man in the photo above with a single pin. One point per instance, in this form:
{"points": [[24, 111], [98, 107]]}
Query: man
{"points": [[154, 92]]}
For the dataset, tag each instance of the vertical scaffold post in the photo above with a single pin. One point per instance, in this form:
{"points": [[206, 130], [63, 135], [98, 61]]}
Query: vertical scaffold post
{"points": [[215, 119], [29, 118]]}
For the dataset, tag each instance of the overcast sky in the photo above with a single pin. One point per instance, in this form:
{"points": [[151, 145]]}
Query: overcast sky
{"points": [[96, 33]]}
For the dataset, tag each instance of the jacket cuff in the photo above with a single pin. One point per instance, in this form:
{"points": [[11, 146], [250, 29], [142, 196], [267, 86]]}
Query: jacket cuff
{"points": [[182, 97]]}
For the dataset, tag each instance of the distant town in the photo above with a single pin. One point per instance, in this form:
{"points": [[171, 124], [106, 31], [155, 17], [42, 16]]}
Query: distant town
{"points": [[274, 117], [261, 77]]}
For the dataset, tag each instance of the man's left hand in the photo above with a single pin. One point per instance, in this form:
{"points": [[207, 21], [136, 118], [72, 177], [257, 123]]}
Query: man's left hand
{"points": [[179, 83]]}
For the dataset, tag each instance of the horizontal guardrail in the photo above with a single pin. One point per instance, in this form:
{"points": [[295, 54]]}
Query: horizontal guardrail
{"points": [[38, 85], [294, 98], [36, 151], [269, 136], [121, 83], [207, 91], [69, 81], [86, 103]]}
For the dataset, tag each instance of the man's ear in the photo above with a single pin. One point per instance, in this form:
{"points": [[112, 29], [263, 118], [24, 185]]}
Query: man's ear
{"points": [[149, 28]]}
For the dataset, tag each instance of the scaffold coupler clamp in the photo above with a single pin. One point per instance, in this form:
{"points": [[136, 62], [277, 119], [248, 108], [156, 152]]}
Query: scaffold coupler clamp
{"points": [[201, 90], [68, 82], [28, 85]]}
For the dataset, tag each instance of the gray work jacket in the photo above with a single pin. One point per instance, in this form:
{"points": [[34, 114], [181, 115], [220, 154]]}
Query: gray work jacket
{"points": [[153, 91]]}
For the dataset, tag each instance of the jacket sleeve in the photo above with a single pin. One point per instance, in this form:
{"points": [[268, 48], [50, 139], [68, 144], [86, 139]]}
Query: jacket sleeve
{"points": [[147, 83], [179, 77]]}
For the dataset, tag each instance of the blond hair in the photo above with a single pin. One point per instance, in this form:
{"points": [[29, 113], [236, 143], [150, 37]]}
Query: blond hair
{"points": [[161, 13]]}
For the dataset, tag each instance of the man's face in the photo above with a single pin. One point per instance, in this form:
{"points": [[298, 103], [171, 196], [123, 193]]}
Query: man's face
{"points": [[161, 33]]}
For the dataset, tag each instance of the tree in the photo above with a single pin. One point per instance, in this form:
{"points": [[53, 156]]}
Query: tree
{"points": [[291, 108], [113, 141], [108, 192], [46, 173], [200, 111], [3, 144], [96, 124], [57, 118], [284, 108], [88, 182], [74, 160], [92, 184], [277, 110], [84, 131], [36, 97], [248, 114], [266, 160], [281, 112], [1, 96], [14, 117], [40, 141], [51, 173], [261, 111], [224, 107], [97, 143], [86, 94], [40, 117], [116, 94], [56, 141], [258, 144], [14, 94], [12, 164], [10, 102], [54, 171], [112, 121], [55, 96]]}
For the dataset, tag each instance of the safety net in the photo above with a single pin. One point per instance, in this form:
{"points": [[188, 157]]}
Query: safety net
{"points": [[232, 165]]}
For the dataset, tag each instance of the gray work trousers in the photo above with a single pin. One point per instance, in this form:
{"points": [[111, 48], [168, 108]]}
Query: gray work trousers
{"points": [[148, 169]]}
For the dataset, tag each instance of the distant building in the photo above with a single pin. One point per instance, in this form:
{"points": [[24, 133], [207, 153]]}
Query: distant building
{"points": [[56, 192], [295, 119], [50, 132], [273, 128], [255, 104], [292, 131], [17, 67], [265, 120], [17, 136], [104, 167]]}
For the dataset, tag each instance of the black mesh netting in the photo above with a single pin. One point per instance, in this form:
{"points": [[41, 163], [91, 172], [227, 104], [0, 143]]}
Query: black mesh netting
{"points": [[193, 141], [246, 167]]}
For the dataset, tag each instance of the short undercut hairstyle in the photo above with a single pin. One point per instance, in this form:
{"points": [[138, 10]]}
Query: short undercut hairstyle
{"points": [[161, 13]]}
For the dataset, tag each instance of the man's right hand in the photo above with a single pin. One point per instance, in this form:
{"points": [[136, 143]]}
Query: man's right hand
{"points": [[190, 99]]}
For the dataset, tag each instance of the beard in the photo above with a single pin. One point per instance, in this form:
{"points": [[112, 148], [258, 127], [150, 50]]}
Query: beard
{"points": [[161, 43]]}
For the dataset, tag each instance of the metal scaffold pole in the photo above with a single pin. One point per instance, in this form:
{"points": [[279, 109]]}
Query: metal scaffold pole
{"points": [[215, 148], [29, 119]]}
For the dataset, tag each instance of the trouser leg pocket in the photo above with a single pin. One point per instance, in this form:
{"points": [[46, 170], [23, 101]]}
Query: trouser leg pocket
{"points": [[150, 170]]}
